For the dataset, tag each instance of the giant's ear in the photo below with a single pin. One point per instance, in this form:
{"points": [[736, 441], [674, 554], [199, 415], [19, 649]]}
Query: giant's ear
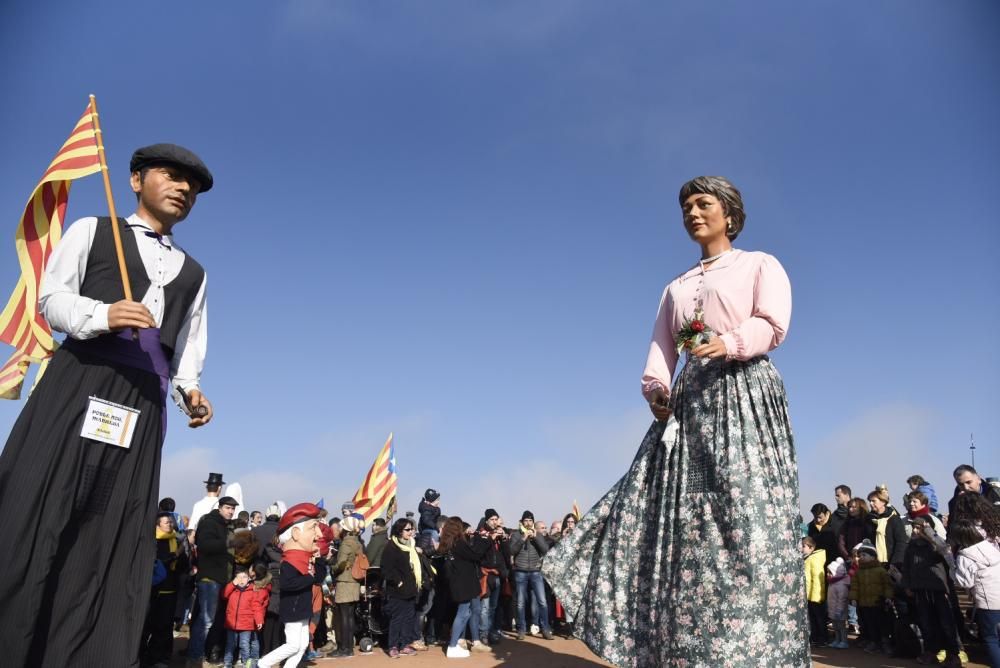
{"points": [[296, 533], [136, 181]]}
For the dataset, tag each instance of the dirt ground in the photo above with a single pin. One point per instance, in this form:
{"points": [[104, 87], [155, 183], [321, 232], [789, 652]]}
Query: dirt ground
{"points": [[563, 653]]}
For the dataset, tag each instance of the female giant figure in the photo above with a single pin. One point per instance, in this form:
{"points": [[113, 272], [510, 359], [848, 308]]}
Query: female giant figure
{"points": [[692, 558]]}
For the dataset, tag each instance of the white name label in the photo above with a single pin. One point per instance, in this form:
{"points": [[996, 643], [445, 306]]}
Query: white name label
{"points": [[109, 423]]}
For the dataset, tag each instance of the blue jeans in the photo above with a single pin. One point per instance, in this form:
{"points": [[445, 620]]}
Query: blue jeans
{"points": [[988, 621], [489, 626], [246, 641], [467, 615], [208, 602], [541, 610]]}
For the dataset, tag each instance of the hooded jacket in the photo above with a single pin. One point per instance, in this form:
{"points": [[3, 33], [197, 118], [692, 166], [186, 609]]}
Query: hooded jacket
{"points": [[978, 570], [816, 576], [870, 585]]}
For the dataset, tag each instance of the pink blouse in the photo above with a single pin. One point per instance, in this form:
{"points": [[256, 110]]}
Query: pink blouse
{"points": [[746, 297]]}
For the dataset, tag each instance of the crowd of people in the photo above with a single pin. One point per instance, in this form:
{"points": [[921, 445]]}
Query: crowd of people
{"points": [[424, 578], [890, 576], [894, 576]]}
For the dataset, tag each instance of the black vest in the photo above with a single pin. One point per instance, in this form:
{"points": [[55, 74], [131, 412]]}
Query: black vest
{"points": [[103, 279]]}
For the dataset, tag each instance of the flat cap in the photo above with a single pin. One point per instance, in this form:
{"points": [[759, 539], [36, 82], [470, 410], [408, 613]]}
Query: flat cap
{"points": [[300, 512], [172, 154]]}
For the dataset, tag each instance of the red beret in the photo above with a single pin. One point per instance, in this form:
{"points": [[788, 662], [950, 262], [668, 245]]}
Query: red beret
{"points": [[300, 512]]}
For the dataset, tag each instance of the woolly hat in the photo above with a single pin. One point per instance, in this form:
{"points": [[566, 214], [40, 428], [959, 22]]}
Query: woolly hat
{"points": [[431, 495], [866, 546], [490, 512], [352, 524], [527, 515]]}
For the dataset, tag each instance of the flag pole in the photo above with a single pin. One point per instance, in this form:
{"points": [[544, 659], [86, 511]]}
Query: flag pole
{"points": [[111, 201]]}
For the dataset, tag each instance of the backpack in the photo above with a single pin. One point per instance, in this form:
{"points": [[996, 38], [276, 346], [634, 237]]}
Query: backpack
{"points": [[360, 566], [159, 572]]}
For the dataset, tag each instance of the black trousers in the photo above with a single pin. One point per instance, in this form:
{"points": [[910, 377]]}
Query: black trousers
{"points": [[159, 635], [400, 612], [937, 624], [817, 622], [874, 623], [345, 627]]}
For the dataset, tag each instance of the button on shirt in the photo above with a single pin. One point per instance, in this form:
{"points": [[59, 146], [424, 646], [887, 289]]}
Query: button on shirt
{"points": [[84, 318]]}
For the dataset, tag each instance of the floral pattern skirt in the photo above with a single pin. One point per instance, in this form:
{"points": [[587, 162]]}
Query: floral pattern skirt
{"points": [[692, 559]]}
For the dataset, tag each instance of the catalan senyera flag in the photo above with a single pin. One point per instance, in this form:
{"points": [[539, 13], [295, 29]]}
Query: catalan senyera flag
{"points": [[379, 487], [21, 325]]}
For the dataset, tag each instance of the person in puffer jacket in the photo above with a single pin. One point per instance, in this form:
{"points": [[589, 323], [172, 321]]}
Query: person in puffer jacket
{"points": [[977, 568], [838, 584], [241, 617]]}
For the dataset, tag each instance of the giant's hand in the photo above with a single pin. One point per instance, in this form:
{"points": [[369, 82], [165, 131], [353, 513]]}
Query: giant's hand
{"points": [[658, 405], [199, 399], [714, 348], [125, 314]]}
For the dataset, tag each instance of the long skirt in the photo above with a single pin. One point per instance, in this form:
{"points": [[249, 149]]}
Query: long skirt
{"points": [[692, 558], [78, 515]]}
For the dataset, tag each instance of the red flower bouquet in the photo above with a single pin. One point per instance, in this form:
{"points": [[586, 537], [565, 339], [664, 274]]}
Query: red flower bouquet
{"points": [[694, 333]]}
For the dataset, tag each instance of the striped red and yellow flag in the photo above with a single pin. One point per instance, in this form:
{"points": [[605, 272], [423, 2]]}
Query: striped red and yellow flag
{"points": [[379, 487], [21, 325]]}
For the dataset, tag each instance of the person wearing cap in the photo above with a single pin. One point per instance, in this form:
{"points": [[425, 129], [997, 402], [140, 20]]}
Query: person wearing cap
{"points": [[61, 492], [215, 565], [494, 571], [207, 503], [301, 568], [430, 510], [527, 548]]}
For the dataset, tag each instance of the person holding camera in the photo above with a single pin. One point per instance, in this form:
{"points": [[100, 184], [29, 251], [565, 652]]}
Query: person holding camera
{"points": [[527, 548], [494, 570]]}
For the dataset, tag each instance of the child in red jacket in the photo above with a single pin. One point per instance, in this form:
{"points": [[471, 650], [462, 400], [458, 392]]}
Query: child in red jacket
{"points": [[244, 617]]}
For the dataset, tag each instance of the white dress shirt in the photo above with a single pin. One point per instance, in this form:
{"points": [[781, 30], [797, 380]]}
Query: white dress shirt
{"points": [[202, 507], [83, 318]]}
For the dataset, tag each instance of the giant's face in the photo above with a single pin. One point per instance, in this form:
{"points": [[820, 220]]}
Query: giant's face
{"points": [[166, 191], [704, 218]]}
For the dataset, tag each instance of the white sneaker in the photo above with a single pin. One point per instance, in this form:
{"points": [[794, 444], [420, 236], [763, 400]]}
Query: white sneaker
{"points": [[479, 646], [535, 631], [457, 652]]}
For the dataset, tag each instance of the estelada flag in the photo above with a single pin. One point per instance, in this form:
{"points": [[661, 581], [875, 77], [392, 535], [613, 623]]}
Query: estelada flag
{"points": [[379, 487], [21, 325]]}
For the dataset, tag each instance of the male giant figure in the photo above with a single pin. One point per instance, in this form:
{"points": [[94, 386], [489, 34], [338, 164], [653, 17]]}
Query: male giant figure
{"points": [[79, 512]]}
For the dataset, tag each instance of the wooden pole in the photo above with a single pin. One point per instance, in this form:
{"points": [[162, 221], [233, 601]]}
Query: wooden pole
{"points": [[111, 200]]}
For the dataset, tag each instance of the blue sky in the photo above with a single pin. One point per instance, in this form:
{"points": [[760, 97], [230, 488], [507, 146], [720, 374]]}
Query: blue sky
{"points": [[454, 220]]}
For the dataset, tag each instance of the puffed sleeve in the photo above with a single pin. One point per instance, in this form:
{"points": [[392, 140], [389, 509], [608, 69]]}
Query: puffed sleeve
{"points": [[662, 357], [765, 329], [59, 298]]}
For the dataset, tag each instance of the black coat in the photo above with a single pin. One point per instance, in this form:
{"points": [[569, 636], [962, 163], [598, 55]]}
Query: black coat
{"points": [[400, 581], [212, 541], [429, 515], [296, 591], [463, 568], [923, 567], [826, 539], [895, 535]]}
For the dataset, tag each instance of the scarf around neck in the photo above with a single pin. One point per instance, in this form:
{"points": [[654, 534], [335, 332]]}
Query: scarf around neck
{"points": [[171, 539], [926, 510], [299, 560], [414, 560]]}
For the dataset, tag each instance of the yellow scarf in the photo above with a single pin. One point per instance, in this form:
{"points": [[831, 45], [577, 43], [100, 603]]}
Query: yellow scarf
{"points": [[414, 560], [171, 538], [881, 551]]}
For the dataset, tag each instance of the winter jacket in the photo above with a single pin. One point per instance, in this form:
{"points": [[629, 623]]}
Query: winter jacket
{"points": [[889, 524], [923, 567], [463, 567], [400, 581], [932, 500], [851, 532], [816, 576], [991, 492], [978, 570], [295, 604], [348, 589], [496, 557], [212, 541], [838, 585], [527, 554], [265, 537], [826, 539], [870, 585], [933, 519], [429, 515], [243, 608], [176, 562], [376, 545]]}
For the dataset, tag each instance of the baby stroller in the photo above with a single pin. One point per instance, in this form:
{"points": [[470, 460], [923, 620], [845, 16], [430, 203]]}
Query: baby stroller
{"points": [[368, 611]]}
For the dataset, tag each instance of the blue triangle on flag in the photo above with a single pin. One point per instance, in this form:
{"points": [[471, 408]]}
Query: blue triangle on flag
{"points": [[319, 504]]}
